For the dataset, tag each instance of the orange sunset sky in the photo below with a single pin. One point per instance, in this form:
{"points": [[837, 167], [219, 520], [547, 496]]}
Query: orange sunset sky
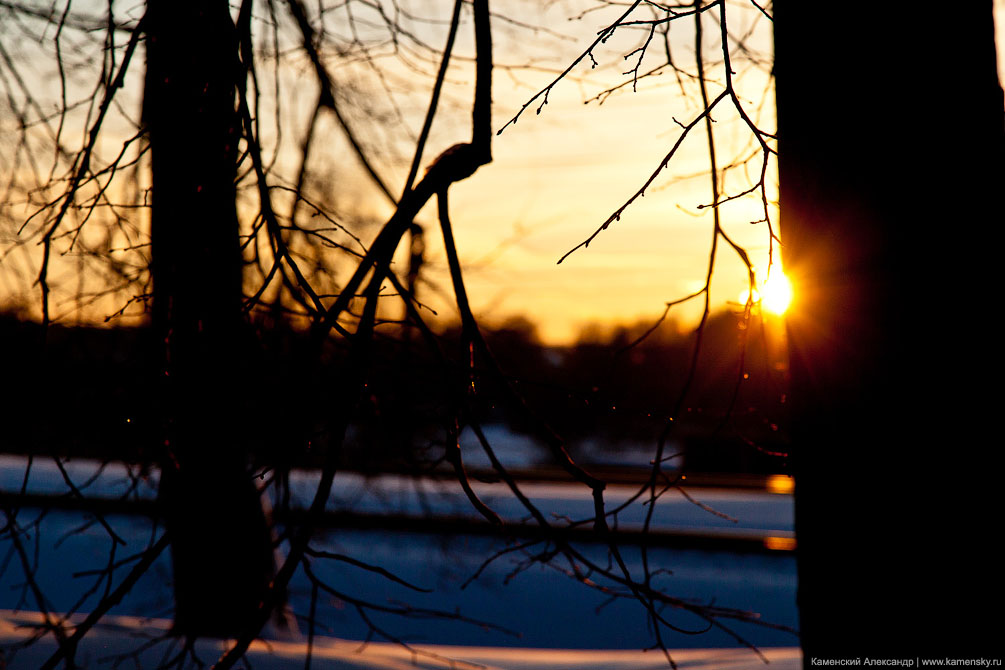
{"points": [[558, 175]]}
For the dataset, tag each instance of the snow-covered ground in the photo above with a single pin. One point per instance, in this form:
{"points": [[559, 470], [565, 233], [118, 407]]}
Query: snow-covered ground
{"points": [[566, 624], [742, 511], [119, 637]]}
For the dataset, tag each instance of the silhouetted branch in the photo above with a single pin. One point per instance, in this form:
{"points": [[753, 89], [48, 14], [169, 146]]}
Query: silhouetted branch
{"points": [[317, 553], [81, 168]]}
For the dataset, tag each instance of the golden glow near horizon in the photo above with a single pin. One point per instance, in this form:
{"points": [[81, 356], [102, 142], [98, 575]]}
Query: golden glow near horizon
{"points": [[556, 176], [782, 484]]}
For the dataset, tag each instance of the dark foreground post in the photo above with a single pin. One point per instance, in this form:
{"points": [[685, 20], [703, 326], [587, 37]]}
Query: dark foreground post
{"points": [[220, 543], [890, 158]]}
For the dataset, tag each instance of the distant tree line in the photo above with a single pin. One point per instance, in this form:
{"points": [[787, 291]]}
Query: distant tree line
{"points": [[601, 390]]}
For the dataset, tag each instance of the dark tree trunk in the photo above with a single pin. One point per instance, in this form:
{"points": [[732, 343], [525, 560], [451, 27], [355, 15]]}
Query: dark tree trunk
{"points": [[890, 156], [221, 548]]}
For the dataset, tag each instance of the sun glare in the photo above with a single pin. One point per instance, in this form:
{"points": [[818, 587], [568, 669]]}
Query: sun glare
{"points": [[774, 295]]}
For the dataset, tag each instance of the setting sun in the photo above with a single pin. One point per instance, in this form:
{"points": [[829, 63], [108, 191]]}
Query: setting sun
{"points": [[774, 295]]}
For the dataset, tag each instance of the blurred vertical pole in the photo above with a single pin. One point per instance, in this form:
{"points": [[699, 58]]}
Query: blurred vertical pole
{"points": [[890, 140], [221, 549]]}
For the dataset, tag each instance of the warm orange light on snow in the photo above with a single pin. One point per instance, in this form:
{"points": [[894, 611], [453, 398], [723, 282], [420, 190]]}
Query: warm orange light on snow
{"points": [[780, 543], [781, 484]]}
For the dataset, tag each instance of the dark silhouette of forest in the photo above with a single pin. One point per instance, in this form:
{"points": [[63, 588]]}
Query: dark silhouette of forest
{"points": [[611, 389]]}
